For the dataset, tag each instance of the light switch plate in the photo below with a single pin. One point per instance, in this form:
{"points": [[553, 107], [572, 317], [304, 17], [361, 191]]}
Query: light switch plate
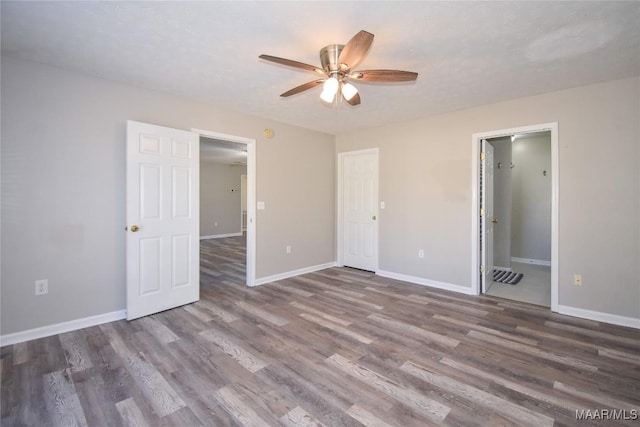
{"points": [[381, 205], [260, 206]]}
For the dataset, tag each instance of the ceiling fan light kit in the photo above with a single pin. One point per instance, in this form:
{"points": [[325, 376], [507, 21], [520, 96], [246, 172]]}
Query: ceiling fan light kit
{"points": [[337, 62], [329, 89]]}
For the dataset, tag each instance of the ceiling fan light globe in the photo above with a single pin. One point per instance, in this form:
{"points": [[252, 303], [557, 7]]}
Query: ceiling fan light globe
{"points": [[331, 85], [327, 96], [349, 91], [329, 89]]}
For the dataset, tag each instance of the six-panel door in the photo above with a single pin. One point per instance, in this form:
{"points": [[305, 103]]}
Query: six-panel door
{"points": [[162, 218]]}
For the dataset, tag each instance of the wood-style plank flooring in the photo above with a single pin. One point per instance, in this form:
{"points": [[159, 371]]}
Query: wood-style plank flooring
{"points": [[336, 347]]}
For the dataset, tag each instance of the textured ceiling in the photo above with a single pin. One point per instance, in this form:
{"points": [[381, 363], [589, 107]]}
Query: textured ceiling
{"points": [[220, 151], [467, 53]]}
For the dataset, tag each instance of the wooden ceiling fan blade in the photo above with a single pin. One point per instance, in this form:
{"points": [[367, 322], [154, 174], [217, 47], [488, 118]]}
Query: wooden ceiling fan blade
{"points": [[291, 63], [384, 76], [303, 87], [355, 100], [356, 49]]}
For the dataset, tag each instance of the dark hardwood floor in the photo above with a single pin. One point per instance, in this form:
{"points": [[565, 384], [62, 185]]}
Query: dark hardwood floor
{"points": [[335, 347]]}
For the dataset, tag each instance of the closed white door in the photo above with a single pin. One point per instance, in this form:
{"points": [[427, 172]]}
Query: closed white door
{"points": [[488, 220], [359, 207], [163, 254]]}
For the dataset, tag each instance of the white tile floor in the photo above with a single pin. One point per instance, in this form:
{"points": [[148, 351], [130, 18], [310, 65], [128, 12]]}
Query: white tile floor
{"points": [[534, 288]]}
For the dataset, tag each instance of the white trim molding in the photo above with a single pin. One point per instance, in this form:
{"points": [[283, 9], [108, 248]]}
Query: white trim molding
{"points": [[426, 282], [293, 273], [220, 236], [60, 328], [531, 261], [476, 139], [614, 319]]}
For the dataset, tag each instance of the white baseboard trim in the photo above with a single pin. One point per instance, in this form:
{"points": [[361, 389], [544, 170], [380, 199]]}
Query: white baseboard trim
{"points": [[509, 269], [531, 261], [60, 328], [599, 316], [220, 236], [426, 282], [298, 272]]}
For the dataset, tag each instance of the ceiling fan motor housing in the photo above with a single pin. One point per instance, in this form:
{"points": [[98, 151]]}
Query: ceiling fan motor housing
{"points": [[329, 58]]}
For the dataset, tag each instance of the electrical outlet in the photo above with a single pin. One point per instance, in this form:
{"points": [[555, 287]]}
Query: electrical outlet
{"points": [[42, 287], [288, 249], [421, 253], [215, 223], [577, 279]]}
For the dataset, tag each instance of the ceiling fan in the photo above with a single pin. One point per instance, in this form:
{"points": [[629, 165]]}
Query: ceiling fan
{"points": [[338, 61]]}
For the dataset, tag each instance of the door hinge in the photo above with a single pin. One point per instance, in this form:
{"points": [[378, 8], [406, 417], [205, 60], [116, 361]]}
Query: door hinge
{"points": [[481, 213], [482, 156], [482, 269]]}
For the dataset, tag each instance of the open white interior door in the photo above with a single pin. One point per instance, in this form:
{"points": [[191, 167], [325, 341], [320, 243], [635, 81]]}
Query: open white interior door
{"points": [[487, 216], [163, 254]]}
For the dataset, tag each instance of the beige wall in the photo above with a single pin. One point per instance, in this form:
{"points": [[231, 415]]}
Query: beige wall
{"points": [[301, 190], [425, 180], [63, 189], [531, 197], [220, 207]]}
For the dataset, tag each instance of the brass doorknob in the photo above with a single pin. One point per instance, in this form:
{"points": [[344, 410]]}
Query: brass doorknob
{"points": [[494, 220], [134, 228], [374, 217]]}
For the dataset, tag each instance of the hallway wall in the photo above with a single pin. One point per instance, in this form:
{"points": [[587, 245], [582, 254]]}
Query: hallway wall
{"points": [[531, 198]]}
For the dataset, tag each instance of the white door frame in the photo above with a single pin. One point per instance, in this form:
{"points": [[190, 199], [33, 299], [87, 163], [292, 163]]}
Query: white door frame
{"points": [[476, 139], [487, 251], [339, 206], [251, 195]]}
